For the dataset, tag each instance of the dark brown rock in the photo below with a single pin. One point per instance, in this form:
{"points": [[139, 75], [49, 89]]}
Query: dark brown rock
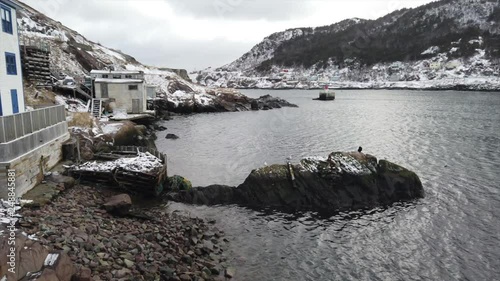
{"points": [[31, 259], [343, 181], [67, 182], [83, 275], [61, 264], [119, 204]]}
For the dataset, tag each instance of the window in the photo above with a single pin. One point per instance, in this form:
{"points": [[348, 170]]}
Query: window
{"points": [[6, 19], [10, 61], [133, 87], [15, 101], [105, 76], [128, 76], [117, 76]]}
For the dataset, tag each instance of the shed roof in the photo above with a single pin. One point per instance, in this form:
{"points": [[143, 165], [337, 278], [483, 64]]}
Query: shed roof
{"points": [[118, 81], [115, 71]]}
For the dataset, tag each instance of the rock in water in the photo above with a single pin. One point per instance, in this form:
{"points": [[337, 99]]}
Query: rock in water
{"points": [[269, 102], [342, 181], [119, 205], [171, 137]]}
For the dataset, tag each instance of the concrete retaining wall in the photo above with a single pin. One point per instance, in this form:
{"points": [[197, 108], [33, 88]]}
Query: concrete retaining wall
{"points": [[30, 167]]}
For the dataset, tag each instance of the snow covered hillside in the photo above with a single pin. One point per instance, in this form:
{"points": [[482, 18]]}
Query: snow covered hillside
{"points": [[265, 49], [448, 44], [74, 55]]}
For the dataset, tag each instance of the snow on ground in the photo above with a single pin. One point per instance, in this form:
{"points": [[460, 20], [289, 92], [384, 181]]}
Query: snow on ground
{"points": [[71, 104], [431, 51], [111, 128], [179, 97], [9, 214], [144, 163]]}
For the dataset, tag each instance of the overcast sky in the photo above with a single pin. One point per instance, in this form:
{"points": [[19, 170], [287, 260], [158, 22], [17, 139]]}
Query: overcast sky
{"points": [[196, 34]]}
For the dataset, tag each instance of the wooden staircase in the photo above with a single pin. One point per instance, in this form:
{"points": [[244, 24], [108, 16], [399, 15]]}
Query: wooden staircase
{"points": [[96, 108], [36, 64]]}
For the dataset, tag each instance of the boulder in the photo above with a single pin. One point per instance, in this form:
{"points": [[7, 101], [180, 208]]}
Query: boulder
{"points": [[269, 102], [83, 275], [340, 182], [66, 182], [118, 205], [86, 153], [172, 137], [45, 275], [61, 264], [178, 183], [31, 258]]}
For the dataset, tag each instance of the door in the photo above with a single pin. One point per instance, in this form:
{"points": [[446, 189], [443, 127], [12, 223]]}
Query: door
{"points": [[104, 91], [136, 106], [15, 104]]}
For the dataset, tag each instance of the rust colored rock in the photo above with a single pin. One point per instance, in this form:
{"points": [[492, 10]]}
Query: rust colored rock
{"points": [[46, 275], [119, 204], [31, 259], [61, 264]]}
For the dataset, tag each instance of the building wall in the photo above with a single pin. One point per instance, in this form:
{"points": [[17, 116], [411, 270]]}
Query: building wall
{"points": [[30, 168], [123, 96], [10, 43]]}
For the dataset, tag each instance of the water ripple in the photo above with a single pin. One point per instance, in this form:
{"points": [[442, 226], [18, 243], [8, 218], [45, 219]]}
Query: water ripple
{"points": [[451, 139]]}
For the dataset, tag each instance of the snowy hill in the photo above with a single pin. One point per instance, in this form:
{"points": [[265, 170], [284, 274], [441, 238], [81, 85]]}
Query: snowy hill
{"points": [[74, 55], [444, 44], [266, 49]]}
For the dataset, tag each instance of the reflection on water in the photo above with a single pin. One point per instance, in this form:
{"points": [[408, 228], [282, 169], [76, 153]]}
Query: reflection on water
{"points": [[451, 139]]}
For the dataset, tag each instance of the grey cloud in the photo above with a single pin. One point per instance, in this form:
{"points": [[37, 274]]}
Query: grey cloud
{"points": [[242, 9], [115, 24], [186, 54]]}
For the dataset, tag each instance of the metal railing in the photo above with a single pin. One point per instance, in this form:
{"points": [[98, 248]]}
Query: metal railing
{"points": [[16, 126]]}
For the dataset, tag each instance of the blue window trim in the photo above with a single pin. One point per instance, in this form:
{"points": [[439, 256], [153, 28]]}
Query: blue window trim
{"points": [[11, 64], [7, 26], [13, 94]]}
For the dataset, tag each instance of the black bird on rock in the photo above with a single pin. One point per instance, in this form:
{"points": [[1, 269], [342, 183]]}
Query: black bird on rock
{"points": [[360, 149]]}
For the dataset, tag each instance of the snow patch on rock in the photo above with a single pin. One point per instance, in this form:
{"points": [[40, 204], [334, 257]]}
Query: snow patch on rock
{"points": [[144, 163]]}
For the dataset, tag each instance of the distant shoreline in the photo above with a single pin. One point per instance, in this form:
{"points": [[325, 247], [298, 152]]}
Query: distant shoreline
{"points": [[383, 88]]}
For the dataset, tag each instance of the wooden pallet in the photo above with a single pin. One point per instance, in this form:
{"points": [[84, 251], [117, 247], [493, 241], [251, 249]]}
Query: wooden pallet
{"points": [[151, 183]]}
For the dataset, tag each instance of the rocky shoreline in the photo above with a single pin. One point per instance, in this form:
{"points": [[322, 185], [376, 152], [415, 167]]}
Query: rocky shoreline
{"points": [[224, 100], [147, 244]]}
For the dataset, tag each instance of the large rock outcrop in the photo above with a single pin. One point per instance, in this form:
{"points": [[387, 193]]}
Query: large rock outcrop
{"points": [[185, 101], [343, 181]]}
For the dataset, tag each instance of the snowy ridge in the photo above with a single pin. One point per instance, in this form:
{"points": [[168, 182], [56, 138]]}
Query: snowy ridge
{"points": [[265, 49], [467, 13]]}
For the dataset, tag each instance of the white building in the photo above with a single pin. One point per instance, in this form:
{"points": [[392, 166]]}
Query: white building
{"points": [[11, 81], [127, 89]]}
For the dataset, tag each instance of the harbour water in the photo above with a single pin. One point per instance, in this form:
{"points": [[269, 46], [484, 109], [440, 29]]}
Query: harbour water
{"points": [[450, 139]]}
